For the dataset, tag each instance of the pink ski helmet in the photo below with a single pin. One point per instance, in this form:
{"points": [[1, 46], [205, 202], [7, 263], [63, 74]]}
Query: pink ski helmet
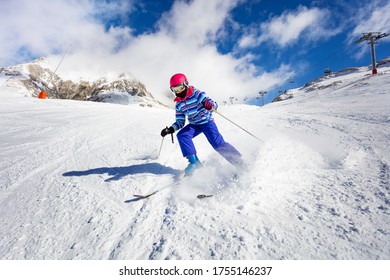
{"points": [[178, 79]]}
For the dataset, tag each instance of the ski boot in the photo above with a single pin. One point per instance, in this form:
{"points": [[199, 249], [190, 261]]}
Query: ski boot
{"points": [[193, 164]]}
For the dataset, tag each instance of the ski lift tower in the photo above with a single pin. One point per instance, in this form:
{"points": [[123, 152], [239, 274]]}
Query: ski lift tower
{"points": [[262, 93], [372, 38]]}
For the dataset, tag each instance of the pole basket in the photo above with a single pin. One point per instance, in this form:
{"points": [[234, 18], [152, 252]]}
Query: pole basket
{"points": [[374, 72]]}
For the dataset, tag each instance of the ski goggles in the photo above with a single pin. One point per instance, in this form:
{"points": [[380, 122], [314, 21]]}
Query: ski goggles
{"points": [[179, 88]]}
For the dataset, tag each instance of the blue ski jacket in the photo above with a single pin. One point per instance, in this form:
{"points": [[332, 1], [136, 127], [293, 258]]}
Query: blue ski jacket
{"points": [[192, 107]]}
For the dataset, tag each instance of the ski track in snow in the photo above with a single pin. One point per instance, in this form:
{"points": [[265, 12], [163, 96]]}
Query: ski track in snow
{"points": [[316, 188]]}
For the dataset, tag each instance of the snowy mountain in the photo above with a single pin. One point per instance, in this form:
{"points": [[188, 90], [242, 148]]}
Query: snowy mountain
{"points": [[316, 185], [36, 76], [344, 77]]}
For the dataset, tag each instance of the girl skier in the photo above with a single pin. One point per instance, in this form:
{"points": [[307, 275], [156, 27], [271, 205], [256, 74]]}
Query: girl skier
{"points": [[197, 107]]}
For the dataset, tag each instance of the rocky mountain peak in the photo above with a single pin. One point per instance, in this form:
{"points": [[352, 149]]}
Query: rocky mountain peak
{"points": [[33, 77]]}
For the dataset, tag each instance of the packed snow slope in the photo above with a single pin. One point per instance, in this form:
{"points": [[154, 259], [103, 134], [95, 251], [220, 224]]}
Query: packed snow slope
{"points": [[316, 187]]}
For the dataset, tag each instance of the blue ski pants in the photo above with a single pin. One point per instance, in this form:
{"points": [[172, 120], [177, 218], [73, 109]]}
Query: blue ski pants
{"points": [[210, 130]]}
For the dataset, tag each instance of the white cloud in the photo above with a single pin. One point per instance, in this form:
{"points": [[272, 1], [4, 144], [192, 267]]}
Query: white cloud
{"points": [[291, 27], [42, 27], [185, 41], [197, 21], [248, 41], [373, 18]]}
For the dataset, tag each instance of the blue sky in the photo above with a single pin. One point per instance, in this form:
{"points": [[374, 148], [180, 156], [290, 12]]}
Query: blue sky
{"points": [[227, 48]]}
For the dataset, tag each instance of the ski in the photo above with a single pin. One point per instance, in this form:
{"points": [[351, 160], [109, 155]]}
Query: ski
{"points": [[142, 196], [202, 196]]}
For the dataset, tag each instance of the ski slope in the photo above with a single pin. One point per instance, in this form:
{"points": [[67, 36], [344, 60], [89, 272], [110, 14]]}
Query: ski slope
{"points": [[316, 187]]}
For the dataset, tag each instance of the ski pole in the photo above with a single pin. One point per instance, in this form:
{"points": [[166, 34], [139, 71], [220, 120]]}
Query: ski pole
{"points": [[214, 110], [159, 151], [162, 141]]}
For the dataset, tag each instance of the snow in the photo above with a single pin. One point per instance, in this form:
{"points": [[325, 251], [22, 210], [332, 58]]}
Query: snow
{"points": [[316, 186]]}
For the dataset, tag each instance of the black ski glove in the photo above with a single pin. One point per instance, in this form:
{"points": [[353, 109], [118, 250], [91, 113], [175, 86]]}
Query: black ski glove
{"points": [[167, 130]]}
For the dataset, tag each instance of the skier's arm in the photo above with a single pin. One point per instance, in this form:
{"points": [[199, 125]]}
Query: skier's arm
{"points": [[180, 120], [207, 102]]}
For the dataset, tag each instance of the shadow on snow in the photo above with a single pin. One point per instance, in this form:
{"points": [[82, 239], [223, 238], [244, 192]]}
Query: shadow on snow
{"points": [[118, 173]]}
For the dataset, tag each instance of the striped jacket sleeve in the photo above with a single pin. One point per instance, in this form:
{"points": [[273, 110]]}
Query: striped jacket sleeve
{"points": [[180, 120]]}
